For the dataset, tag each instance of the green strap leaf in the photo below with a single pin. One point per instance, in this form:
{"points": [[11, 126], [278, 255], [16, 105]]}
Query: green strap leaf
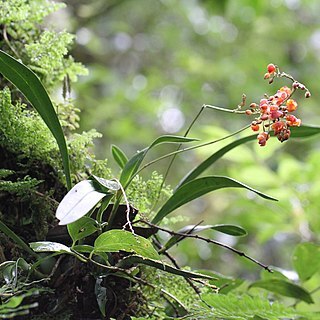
{"points": [[116, 240], [229, 229], [128, 261], [30, 85], [119, 156], [198, 187], [284, 288], [304, 131]]}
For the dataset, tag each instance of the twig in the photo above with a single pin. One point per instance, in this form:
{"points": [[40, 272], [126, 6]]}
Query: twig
{"points": [[195, 236]]}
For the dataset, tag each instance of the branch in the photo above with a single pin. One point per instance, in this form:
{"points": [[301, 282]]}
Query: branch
{"points": [[220, 244]]}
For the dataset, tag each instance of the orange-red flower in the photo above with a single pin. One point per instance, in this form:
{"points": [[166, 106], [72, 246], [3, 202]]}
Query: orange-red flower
{"points": [[291, 105]]}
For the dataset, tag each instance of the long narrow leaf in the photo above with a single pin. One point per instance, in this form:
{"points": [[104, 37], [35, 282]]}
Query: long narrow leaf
{"points": [[30, 85], [119, 156], [197, 188], [8, 232]]}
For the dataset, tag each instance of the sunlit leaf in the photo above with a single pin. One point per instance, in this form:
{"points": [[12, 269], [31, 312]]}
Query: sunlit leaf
{"points": [[30, 85], [121, 240], [107, 184], [48, 246], [229, 229], [198, 187], [284, 288], [119, 156], [306, 260], [128, 261], [78, 202]]}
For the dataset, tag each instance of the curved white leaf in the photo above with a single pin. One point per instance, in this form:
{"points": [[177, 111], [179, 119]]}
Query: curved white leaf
{"points": [[77, 202]]}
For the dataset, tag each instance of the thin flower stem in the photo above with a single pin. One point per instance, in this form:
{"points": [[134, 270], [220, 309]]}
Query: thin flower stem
{"points": [[191, 148], [224, 109]]}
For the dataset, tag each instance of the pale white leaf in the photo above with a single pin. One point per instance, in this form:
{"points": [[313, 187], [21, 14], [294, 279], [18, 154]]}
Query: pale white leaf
{"points": [[77, 202]]}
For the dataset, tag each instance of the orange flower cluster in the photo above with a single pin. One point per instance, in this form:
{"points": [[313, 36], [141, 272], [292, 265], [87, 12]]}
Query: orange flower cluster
{"points": [[275, 111]]}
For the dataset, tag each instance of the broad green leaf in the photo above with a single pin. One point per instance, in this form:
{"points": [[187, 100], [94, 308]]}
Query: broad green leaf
{"points": [[306, 260], [48, 246], [128, 261], [82, 228], [229, 229], [119, 156], [116, 240], [197, 188], [78, 202], [30, 85], [284, 288], [134, 163]]}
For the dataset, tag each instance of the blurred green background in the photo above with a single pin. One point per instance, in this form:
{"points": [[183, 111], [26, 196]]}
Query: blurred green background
{"points": [[153, 64]]}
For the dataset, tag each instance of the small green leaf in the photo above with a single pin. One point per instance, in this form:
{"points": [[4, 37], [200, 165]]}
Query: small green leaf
{"points": [[198, 187], [30, 85], [229, 229], [128, 261], [101, 296], [134, 163], [48, 246], [119, 156], [116, 240], [306, 260], [284, 288], [171, 139], [78, 201], [82, 228]]}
